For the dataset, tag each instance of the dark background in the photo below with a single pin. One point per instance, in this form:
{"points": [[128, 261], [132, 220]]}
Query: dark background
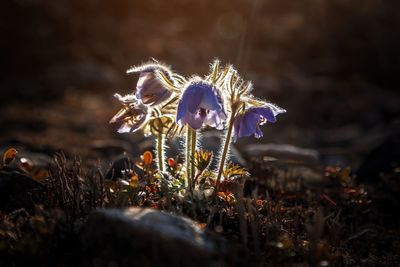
{"points": [[334, 65]]}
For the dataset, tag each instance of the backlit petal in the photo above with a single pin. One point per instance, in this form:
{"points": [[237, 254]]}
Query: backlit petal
{"points": [[193, 95], [265, 112], [200, 104], [210, 98], [194, 121], [126, 99], [189, 103], [150, 90], [248, 124], [275, 109], [236, 127], [215, 119]]}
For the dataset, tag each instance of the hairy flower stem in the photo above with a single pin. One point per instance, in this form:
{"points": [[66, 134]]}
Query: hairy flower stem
{"points": [[193, 151], [225, 151], [190, 151], [160, 151], [188, 154]]}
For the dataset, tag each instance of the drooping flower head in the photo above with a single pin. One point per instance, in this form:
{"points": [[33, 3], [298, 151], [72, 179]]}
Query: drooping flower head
{"points": [[200, 105], [148, 88], [132, 116], [249, 122]]}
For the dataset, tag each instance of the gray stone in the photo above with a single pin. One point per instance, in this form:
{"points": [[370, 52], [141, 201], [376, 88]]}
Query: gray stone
{"points": [[283, 152], [145, 237]]}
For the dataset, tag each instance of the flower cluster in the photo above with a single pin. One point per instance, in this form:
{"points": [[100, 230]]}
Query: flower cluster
{"points": [[165, 103]]}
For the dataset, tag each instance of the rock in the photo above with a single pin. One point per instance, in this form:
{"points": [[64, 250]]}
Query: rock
{"points": [[19, 191], [144, 237], [287, 160], [383, 159], [283, 152]]}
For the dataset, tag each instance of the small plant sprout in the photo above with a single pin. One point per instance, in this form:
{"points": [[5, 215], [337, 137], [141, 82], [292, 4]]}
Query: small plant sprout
{"points": [[165, 104], [201, 161]]}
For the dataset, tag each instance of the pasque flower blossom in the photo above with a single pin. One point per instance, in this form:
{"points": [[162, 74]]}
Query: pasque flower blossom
{"points": [[132, 116], [200, 105], [165, 102], [148, 88], [249, 122]]}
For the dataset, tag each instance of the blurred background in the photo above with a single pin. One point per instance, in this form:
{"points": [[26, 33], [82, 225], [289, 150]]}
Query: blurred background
{"points": [[333, 64]]}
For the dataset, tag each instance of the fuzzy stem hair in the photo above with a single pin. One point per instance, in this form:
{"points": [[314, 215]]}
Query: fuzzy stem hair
{"points": [[160, 151], [188, 153], [225, 152], [193, 146]]}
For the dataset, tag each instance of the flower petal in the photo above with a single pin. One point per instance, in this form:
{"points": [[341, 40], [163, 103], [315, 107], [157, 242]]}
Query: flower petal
{"points": [[162, 97], [131, 126], [194, 121], [236, 127], [265, 112], [181, 111], [130, 98], [193, 95], [215, 119], [248, 124], [124, 112], [210, 99], [150, 90], [189, 103], [200, 104], [124, 128], [150, 67], [275, 109]]}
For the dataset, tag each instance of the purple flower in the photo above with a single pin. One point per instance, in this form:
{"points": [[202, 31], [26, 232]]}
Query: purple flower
{"points": [[248, 124], [148, 88], [132, 116], [201, 104]]}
